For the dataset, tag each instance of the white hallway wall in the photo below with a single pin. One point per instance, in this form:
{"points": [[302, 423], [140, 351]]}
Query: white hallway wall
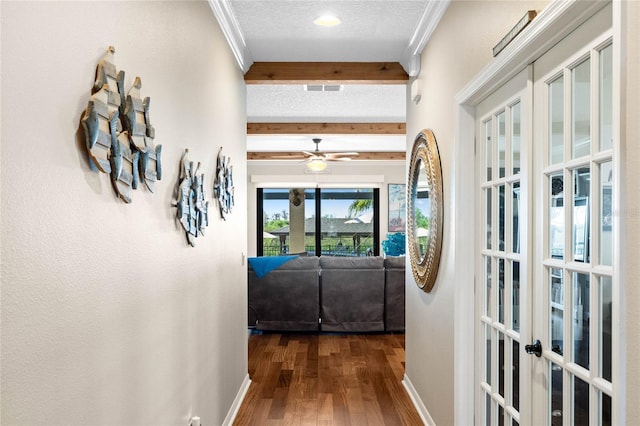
{"points": [[449, 61], [341, 174], [459, 48], [108, 317]]}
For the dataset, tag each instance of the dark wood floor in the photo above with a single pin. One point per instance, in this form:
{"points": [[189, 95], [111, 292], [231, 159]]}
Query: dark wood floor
{"points": [[311, 379]]}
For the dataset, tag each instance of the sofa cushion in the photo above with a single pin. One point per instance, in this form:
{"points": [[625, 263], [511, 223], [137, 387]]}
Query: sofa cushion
{"points": [[369, 262], [300, 263], [394, 293], [352, 293], [395, 262], [287, 298]]}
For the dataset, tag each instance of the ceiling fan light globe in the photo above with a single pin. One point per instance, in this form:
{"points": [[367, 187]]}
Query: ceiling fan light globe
{"points": [[316, 165]]}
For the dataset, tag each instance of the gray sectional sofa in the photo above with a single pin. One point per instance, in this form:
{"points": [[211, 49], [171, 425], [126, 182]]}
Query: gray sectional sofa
{"points": [[394, 293], [333, 294]]}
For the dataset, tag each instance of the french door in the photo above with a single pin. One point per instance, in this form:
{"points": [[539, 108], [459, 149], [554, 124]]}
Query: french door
{"points": [[544, 244], [502, 326], [573, 187]]}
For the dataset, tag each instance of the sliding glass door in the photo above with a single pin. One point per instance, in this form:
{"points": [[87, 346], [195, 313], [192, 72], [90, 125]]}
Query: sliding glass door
{"points": [[320, 221]]}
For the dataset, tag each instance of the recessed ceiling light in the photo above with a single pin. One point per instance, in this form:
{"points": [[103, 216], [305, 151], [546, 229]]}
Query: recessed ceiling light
{"points": [[327, 21]]}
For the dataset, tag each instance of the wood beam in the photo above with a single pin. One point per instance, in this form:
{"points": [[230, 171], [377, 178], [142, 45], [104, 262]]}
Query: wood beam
{"points": [[326, 73], [326, 128], [375, 156]]}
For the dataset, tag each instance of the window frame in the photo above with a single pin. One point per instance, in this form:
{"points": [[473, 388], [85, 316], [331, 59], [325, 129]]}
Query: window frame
{"points": [[318, 216]]}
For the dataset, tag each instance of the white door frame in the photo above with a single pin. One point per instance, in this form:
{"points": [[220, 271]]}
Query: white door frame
{"points": [[551, 25]]}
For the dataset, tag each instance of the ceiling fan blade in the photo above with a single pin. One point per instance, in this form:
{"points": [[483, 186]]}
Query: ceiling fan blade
{"points": [[310, 154], [340, 154], [289, 157], [339, 159]]}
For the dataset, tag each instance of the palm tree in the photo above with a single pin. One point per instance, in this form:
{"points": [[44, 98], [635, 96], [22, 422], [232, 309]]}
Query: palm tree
{"points": [[360, 206]]}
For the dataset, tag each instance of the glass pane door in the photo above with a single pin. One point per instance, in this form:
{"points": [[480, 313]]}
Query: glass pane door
{"points": [[502, 124], [321, 221], [573, 184], [347, 219], [285, 213]]}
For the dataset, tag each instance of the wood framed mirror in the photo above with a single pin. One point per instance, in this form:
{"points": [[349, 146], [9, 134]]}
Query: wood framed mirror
{"points": [[425, 210]]}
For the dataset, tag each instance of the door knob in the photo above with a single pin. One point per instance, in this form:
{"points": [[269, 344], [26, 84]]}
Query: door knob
{"points": [[535, 349]]}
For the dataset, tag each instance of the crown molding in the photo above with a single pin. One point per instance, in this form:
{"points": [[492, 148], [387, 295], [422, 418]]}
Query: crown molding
{"points": [[428, 22], [223, 12]]}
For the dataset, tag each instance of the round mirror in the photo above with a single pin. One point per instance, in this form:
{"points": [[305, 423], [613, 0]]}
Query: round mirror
{"points": [[425, 210], [422, 209]]}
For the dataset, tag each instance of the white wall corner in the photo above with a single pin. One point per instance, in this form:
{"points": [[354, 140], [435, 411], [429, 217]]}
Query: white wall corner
{"points": [[427, 23], [235, 407], [417, 402], [223, 12], [462, 227]]}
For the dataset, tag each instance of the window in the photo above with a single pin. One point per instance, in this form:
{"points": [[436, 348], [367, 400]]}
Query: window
{"points": [[328, 221]]}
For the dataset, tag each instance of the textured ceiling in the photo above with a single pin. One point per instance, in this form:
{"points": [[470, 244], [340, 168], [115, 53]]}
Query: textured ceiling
{"points": [[330, 143], [371, 30], [354, 103]]}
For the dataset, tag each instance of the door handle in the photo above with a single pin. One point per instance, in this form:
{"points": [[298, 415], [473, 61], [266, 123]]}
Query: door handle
{"points": [[535, 349]]}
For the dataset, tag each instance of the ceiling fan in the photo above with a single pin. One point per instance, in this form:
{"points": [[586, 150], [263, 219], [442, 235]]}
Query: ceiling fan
{"points": [[317, 160]]}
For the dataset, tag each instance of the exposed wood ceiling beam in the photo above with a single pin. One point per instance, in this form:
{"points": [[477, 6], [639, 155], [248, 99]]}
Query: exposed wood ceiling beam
{"points": [[326, 128], [326, 73], [380, 156]]}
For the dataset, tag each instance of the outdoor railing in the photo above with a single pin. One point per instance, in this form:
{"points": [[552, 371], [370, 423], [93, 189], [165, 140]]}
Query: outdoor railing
{"points": [[328, 250]]}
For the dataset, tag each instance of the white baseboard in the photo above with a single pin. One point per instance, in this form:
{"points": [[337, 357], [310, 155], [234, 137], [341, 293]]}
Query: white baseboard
{"points": [[417, 402], [233, 411]]}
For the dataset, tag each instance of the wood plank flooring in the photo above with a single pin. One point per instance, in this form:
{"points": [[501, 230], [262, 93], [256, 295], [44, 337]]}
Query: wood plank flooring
{"points": [[332, 380]]}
